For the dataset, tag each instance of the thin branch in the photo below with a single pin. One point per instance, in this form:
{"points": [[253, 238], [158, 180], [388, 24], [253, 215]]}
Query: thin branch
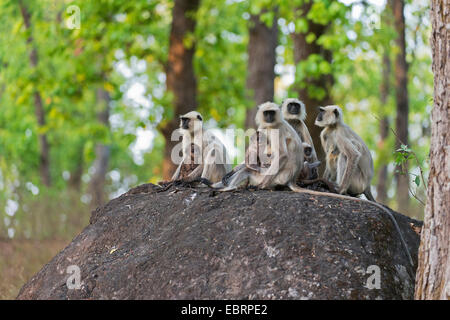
{"points": [[415, 157]]}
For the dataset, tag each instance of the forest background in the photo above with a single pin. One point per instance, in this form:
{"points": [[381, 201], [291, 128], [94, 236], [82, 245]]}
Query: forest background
{"points": [[90, 92]]}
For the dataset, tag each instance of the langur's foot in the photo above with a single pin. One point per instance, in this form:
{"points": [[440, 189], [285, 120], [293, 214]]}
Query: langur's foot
{"points": [[226, 189]]}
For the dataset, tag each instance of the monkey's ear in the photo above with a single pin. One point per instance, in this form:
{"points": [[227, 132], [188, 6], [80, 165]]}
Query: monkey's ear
{"points": [[336, 113], [199, 117]]}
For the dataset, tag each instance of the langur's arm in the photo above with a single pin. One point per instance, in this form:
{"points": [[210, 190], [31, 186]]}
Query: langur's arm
{"points": [[327, 174], [305, 133], [197, 172], [277, 164], [251, 155]]}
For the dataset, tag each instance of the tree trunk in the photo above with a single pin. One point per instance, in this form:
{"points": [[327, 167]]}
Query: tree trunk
{"points": [[433, 273], [44, 156], [302, 50], [180, 74], [384, 127], [401, 92], [261, 64], [77, 173], [102, 152]]}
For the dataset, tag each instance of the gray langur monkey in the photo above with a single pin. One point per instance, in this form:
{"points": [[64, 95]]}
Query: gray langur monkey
{"points": [[348, 161], [274, 156], [204, 156], [294, 112], [309, 171]]}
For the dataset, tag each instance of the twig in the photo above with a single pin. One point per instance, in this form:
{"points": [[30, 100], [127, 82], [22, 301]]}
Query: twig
{"points": [[415, 157]]}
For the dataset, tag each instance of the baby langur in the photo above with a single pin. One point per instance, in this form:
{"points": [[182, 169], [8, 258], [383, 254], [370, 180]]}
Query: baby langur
{"points": [[309, 171], [294, 112], [348, 160], [204, 156], [274, 156]]}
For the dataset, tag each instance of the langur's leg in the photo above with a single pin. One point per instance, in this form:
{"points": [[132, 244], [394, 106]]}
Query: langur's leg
{"points": [[196, 173], [330, 185], [369, 195], [237, 179]]}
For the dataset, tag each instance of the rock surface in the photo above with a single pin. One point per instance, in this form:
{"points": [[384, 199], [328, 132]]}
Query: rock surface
{"points": [[193, 243]]}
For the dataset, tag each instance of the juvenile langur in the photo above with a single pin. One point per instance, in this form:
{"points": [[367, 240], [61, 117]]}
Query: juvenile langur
{"points": [[204, 156], [309, 171], [348, 160], [274, 156], [294, 112]]}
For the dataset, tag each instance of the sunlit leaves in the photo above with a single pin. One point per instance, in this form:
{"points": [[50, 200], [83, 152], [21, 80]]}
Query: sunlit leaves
{"points": [[74, 63], [403, 154], [313, 68]]}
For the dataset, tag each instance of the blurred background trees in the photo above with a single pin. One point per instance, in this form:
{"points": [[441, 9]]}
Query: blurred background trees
{"points": [[86, 113]]}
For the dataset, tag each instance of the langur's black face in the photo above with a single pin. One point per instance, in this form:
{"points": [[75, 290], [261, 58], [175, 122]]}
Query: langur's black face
{"points": [[328, 116], [185, 123], [307, 151], [320, 115], [293, 108], [269, 116]]}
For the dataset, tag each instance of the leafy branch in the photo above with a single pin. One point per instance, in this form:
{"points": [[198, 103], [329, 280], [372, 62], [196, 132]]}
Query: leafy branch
{"points": [[402, 155]]}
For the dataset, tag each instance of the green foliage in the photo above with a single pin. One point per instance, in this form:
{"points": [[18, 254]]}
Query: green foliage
{"points": [[124, 43], [402, 155], [357, 70], [220, 60]]}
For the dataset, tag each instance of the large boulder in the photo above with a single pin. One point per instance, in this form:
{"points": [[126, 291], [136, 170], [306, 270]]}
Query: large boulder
{"points": [[193, 243]]}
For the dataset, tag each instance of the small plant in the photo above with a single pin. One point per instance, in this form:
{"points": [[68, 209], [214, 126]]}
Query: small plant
{"points": [[402, 156]]}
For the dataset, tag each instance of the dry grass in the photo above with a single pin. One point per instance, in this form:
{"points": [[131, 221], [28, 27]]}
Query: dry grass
{"points": [[21, 259], [40, 232]]}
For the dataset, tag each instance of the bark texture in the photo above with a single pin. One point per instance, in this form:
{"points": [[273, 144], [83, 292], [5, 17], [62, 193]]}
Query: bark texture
{"points": [[263, 41], [433, 274], [193, 243], [180, 74], [401, 93], [302, 50], [44, 146]]}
